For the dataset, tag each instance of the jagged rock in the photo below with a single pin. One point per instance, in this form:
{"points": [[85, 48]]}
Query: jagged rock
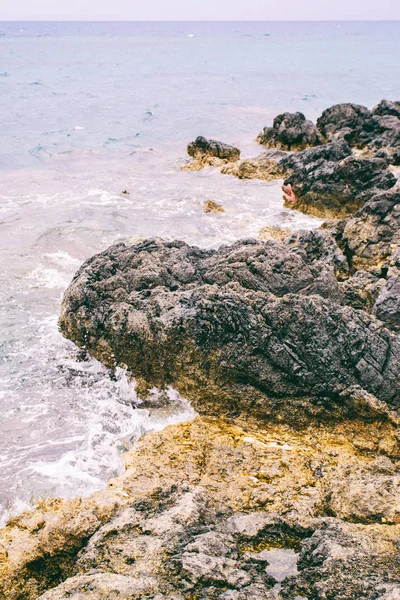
{"points": [[349, 122], [233, 330], [387, 305], [210, 152], [375, 130], [290, 131], [362, 290], [342, 561], [370, 236], [205, 509], [329, 181]]}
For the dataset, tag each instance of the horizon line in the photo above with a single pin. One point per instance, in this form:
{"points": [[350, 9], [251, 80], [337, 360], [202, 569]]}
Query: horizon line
{"points": [[396, 20]]}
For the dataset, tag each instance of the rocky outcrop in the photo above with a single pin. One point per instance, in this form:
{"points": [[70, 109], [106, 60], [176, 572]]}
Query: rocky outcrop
{"points": [[210, 152], [375, 130], [223, 511], [235, 330], [290, 131], [328, 180]]}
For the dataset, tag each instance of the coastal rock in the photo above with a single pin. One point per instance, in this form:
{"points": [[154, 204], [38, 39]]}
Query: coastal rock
{"points": [[210, 509], [350, 122], [329, 181], [387, 305], [342, 561], [266, 166], [377, 130], [210, 152], [212, 207], [370, 236], [234, 330], [290, 131]]}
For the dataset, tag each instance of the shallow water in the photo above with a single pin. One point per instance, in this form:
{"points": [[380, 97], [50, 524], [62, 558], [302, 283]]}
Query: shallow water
{"points": [[90, 110]]}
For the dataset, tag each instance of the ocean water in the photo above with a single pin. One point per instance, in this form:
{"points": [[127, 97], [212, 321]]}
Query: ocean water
{"points": [[88, 110]]}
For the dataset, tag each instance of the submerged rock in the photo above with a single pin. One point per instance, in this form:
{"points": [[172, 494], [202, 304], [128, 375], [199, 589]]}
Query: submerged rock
{"points": [[212, 207], [210, 152], [290, 131], [235, 330]]}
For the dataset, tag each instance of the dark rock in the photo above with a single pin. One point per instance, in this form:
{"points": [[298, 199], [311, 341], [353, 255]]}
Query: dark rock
{"points": [[387, 305], [203, 147], [231, 329], [290, 131], [362, 290], [370, 236], [374, 130], [330, 181]]}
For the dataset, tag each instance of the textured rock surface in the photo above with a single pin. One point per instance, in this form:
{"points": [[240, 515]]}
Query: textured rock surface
{"points": [[330, 181], [210, 152], [375, 130], [234, 330], [290, 131], [371, 235], [212, 510]]}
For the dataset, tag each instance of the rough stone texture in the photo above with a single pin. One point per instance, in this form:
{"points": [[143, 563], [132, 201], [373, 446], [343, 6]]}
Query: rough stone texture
{"points": [[330, 181], [387, 305], [376, 130], [290, 131], [343, 561], [210, 152], [371, 235], [266, 166], [207, 510], [234, 330]]}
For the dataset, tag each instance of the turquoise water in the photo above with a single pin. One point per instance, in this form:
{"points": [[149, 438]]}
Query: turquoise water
{"points": [[88, 110]]}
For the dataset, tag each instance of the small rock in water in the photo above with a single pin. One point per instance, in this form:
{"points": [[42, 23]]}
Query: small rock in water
{"points": [[212, 207]]}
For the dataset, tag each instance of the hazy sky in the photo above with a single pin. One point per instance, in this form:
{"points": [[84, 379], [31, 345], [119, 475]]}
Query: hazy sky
{"points": [[170, 10]]}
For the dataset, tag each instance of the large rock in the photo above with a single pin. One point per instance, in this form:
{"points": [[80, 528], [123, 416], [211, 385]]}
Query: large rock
{"points": [[330, 181], [235, 330], [210, 152], [290, 131], [218, 511], [370, 236], [376, 130]]}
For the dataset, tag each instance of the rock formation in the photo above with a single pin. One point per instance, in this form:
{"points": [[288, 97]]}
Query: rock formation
{"points": [[215, 510], [290, 131], [210, 152]]}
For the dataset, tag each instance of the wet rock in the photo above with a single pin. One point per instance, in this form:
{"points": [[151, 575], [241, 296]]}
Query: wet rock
{"points": [[330, 181], [266, 166], [212, 207], [209, 509], [273, 232], [233, 329], [290, 131], [210, 152]]}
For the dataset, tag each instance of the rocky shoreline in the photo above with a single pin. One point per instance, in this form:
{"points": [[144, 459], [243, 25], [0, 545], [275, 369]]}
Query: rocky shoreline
{"points": [[287, 484]]}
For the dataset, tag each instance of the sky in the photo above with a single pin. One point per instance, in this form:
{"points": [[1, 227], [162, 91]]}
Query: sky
{"points": [[199, 10]]}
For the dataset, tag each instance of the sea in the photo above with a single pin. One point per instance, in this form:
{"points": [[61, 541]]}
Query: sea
{"points": [[91, 110]]}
